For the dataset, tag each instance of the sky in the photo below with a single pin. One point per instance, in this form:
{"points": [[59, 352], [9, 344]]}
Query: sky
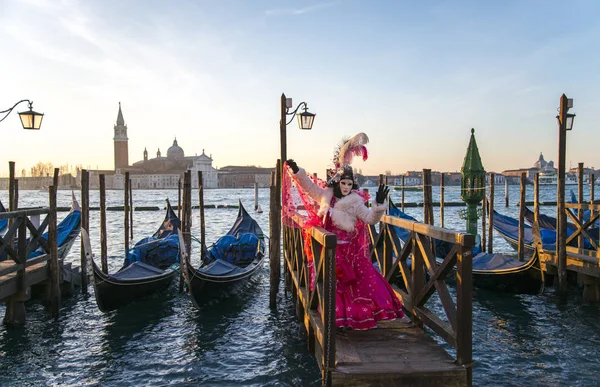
{"points": [[415, 76]]}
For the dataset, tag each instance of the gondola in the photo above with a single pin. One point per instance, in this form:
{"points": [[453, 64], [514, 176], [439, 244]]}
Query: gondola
{"points": [[549, 223], [230, 261], [149, 267], [3, 222], [508, 228], [67, 231], [492, 271]]}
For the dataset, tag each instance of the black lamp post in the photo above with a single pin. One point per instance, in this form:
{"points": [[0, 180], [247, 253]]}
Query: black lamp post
{"points": [[29, 119], [565, 122], [305, 121]]}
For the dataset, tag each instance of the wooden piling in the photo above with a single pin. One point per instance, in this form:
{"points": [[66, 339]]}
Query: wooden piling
{"points": [[402, 203], [15, 305], [536, 197], [187, 232], [179, 198], [483, 219], [53, 295], [255, 196], [592, 184], [506, 191], [580, 240], [85, 225], [103, 235], [16, 198], [55, 179], [491, 215], [201, 204], [130, 210], [521, 248], [442, 186], [274, 232], [427, 197], [126, 213], [12, 195], [561, 216], [186, 217]]}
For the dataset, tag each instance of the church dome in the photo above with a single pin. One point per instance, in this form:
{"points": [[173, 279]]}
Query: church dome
{"points": [[175, 151], [541, 163]]}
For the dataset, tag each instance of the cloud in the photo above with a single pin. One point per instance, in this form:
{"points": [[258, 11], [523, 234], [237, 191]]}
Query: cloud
{"points": [[299, 11]]}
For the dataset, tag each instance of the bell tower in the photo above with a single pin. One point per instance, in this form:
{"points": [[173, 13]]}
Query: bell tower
{"points": [[121, 142]]}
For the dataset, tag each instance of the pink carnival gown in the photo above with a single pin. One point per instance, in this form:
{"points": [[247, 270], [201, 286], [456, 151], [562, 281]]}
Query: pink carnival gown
{"points": [[363, 295]]}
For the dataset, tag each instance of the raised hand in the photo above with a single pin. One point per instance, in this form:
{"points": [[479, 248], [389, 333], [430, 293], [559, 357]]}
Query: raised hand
{"points": [[382, 194], [292, 164]]}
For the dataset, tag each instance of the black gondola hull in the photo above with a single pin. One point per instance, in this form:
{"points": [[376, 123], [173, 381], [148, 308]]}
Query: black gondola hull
{"points": [[203, 288], [527, 279], [204, 284], [112, 293]]}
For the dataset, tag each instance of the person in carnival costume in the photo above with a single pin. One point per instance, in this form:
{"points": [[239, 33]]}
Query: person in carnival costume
{"points": [[363, 294]]}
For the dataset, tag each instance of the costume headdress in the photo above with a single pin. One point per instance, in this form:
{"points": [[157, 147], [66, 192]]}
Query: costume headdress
{"points": [[342, 158]]}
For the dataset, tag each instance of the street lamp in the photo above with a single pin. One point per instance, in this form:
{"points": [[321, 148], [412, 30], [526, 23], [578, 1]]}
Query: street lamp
{"points": [[569, 120], [305, 121], [29, 119]]}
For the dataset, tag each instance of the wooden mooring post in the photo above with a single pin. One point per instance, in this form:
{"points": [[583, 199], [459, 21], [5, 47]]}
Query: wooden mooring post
{"points": [[490, 210], [126, 213], [130, 210], [53, 294], [521, 247], [179, 198], [275, 234], [85, 224], [103, 235], [442, 185], [255, 197], [483, 219], [402, 195], [505, 191], [202, 224]]}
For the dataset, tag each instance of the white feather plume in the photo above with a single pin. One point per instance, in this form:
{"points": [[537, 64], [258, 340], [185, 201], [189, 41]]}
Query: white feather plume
{"points": [[354, 146]]}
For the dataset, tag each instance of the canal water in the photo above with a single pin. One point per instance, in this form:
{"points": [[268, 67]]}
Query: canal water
{"points": [[518, 340]]}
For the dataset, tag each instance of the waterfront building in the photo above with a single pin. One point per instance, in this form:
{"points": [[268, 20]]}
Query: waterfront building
{"points": [[541, 165], [244, 176]]}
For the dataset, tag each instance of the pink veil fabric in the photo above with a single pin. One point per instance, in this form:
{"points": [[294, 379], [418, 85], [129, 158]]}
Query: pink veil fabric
{"points": [[298, 210]]}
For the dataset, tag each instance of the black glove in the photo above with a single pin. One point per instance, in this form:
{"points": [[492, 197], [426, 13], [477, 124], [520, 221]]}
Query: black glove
{"points": [[382, 193], [292, 164]]}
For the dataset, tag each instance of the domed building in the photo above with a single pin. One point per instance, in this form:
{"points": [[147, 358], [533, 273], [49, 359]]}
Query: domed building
{"points": [[157, 172], [165, 172], [542, 165], [175, 151]]}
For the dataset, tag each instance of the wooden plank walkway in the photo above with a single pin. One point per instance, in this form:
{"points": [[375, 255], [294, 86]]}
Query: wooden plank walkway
{"points": [[35, 273], [396, 353]]}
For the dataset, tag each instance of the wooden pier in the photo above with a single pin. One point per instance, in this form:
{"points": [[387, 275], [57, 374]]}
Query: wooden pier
{"points": [[18, 275], [395, 353], [574, 264]]}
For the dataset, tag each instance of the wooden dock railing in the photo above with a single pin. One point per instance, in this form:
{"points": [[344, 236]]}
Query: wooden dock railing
{"points": [[17, 273], [321, 300], [426, 275], [316, 308]]}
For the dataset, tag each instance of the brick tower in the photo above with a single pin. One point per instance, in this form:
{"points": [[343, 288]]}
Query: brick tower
{"points": [[121, 147]]}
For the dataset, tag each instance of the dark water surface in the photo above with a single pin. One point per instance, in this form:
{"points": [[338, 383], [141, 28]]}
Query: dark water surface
{"points": [[518, 340]]}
